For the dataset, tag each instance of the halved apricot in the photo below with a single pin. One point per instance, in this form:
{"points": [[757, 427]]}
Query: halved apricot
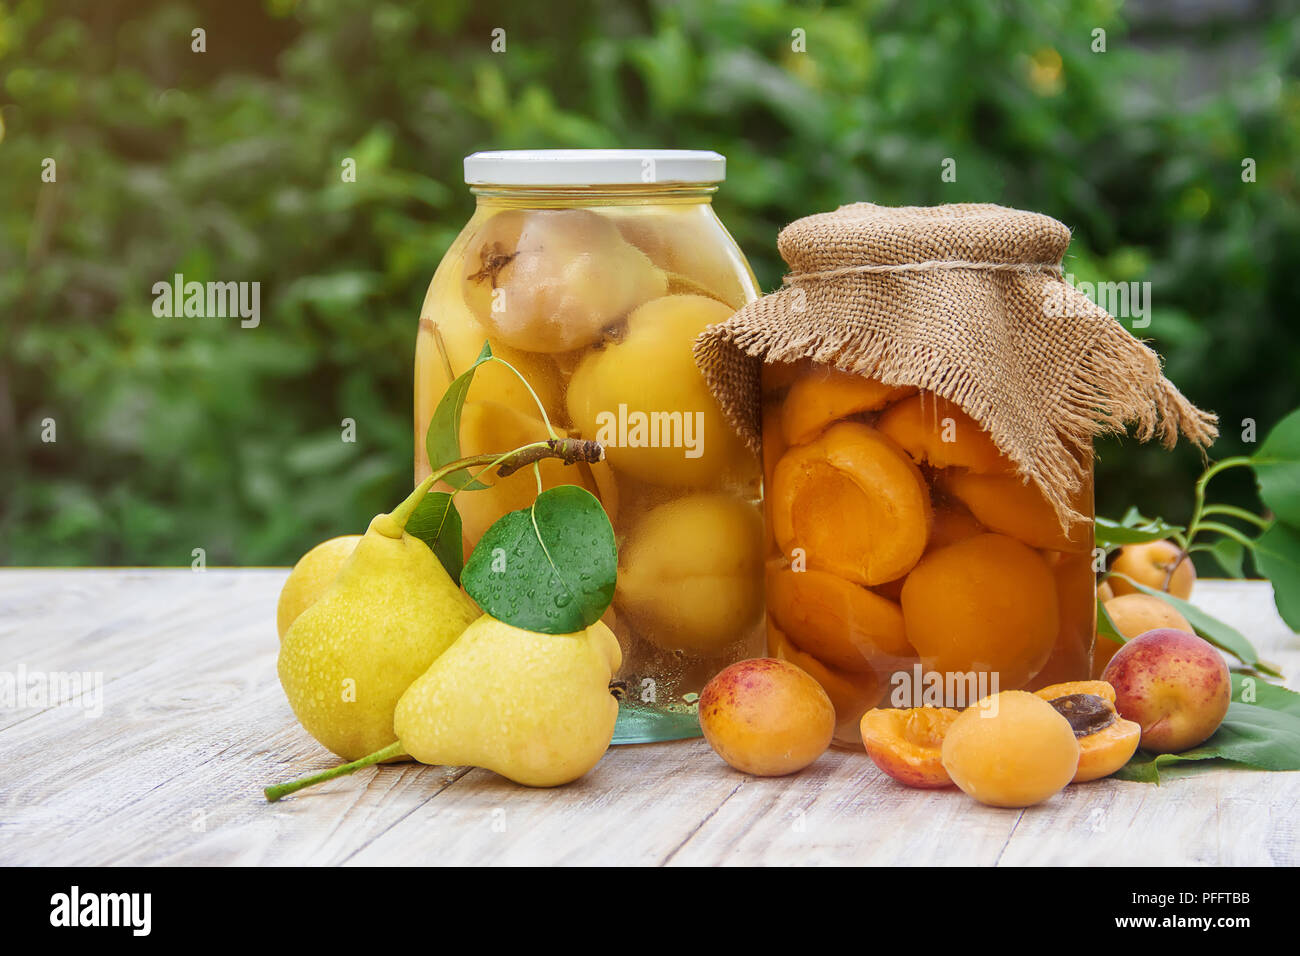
{"points": [[937, 432], [908, 744], [1106, 740], [851, 694], [825, 394], [853, 502], [838, 622], [1007, 505], [984, 604]]}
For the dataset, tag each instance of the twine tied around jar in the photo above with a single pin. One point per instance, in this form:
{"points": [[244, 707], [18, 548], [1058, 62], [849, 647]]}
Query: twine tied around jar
{"points": [[968, 301], [929, 266]]}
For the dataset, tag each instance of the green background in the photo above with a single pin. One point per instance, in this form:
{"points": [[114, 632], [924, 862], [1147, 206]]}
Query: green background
{"points": [[175, 434]]}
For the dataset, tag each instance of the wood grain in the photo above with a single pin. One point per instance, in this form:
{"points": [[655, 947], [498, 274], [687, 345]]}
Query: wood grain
{"points": [[194, 724]]}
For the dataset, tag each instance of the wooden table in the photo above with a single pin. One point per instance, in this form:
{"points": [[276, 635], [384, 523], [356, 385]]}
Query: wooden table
{"points": [[193, 724]]}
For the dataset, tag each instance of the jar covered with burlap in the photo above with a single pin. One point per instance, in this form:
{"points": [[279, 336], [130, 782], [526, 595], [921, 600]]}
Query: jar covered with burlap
{"points": [[925, 389]]}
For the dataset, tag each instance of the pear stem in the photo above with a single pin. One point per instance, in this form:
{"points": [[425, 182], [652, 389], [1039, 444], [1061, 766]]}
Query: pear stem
{"points": [[279, 790], [402, 513], [568, 450]]}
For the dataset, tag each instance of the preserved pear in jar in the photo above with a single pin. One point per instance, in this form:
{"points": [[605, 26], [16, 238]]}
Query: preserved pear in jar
{"points": [[590, 273]]}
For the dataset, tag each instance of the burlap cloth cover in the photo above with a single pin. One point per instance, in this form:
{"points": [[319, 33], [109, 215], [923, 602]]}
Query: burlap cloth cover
{"points": [[967, 301]]}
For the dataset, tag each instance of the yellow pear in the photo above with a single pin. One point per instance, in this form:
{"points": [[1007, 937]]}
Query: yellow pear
{"points": [[535, 708], [347, 658], [310, 577]]}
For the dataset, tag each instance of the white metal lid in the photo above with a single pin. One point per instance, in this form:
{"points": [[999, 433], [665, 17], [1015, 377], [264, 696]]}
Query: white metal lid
{"points": [[594, 167]]}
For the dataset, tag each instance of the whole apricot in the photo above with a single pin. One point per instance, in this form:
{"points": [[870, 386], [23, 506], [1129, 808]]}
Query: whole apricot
{"points": [[851, 694], [1175, 685], [1151, 564], [1134, 614], [1011, 749], [766, 717], [907, 743]]}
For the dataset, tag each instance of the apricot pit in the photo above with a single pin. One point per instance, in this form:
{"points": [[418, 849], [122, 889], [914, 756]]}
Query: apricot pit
{"points": [[1106, 740]]}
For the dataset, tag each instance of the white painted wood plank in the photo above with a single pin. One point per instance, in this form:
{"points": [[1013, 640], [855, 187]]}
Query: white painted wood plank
{"points": [[195, 724]]}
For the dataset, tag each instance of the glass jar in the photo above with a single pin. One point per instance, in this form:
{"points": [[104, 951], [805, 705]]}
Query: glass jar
{"points": [[591, 272], [908, 565]]}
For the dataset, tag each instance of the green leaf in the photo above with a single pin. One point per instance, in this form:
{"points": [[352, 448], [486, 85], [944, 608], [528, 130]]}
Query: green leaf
{"points": [[1105, 626], [442, 441], [1145, 767], [1277, 555], [436, 522], [1258, 736], [1134, 529], [1230, 555], [1249, 689], [1219, 634], [1277, 469], [1250, 734], [549, 568]]}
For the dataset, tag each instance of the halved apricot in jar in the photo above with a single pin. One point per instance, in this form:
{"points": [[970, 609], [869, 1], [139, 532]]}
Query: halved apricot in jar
{"points": [[1007, 505], [937, 432], [825, 395], [853, 502], [985, 604], [838, 622], [850, 694], [1106, 740], [908, 744]]}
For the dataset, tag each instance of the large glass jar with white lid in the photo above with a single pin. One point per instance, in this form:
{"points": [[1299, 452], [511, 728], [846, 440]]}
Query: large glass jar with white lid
{"points": [[591, 272]]}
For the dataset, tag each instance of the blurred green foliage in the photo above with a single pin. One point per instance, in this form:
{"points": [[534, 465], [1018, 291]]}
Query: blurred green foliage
{"points": [[175, 434]]}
